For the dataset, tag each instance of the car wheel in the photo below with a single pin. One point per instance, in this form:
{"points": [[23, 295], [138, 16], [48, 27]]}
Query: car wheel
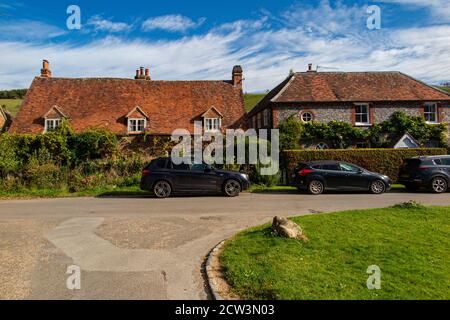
{"points": [[377, 187], [162, 189], [231, 188], [316, 187], [439, 185]]}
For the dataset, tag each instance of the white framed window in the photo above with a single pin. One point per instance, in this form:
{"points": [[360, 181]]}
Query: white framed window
{"points": [[213, 124], [52, 124], [266, 117], [362, 114], [307, 116], [137, 125], [430, 112]]}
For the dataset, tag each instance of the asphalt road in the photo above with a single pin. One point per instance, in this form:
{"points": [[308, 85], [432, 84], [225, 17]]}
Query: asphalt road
{"points": [[141, 248]]}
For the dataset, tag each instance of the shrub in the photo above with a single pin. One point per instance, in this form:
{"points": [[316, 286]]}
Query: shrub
{"points": [[46, 175], [385, 161], [342, 135], [9, 161]]}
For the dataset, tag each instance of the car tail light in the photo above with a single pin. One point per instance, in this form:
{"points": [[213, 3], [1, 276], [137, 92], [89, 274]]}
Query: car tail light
{"points": [[145, 172], [423, 168], [305, 172]]}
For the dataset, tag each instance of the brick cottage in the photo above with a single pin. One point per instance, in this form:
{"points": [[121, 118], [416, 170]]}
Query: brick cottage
{"points": [[359, 98], [131, 106]]}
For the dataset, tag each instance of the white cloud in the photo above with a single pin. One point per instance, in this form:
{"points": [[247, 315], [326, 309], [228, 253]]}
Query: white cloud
{"points": [[28, 30], [101, 24], [171, 23], [266, 53]]}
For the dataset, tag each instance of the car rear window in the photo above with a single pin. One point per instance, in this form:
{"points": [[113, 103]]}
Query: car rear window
{"points": [[445, 161], [159, 163], [438, 162]]}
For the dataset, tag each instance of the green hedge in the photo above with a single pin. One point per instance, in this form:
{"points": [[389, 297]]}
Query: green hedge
{"points": [[385, 161]]}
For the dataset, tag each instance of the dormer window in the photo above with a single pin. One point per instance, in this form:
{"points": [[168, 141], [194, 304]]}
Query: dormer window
{"points": [[213, 124], [212, 120], [52, 124], [137, 125], [137, 121], [53, 118]]}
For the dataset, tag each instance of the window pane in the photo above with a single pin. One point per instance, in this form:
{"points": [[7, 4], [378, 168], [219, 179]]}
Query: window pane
{"points": [[198, 167], [331, 167], [349, 167], [182, 167]]}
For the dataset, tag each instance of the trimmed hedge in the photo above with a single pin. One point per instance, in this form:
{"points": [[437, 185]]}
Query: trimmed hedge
{"points": [[385, 161]]}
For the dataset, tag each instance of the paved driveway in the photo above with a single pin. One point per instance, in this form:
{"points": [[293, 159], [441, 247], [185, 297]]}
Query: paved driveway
{"points": [[140, 248]]}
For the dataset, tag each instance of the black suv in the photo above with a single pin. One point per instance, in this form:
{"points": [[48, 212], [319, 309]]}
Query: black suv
{"points": [[432, 173], [164, 178], [319, 176]]}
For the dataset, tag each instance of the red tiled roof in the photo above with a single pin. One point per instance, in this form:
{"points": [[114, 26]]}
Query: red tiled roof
{"points": [[106, 102], [351, 87]]}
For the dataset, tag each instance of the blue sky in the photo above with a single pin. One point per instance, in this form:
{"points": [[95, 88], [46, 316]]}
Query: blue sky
{"points": [[204, 39]]}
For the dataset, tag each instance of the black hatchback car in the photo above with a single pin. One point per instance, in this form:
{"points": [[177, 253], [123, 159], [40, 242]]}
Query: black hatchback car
{"points": [[319, 176], [432, 173], [164, 178]]}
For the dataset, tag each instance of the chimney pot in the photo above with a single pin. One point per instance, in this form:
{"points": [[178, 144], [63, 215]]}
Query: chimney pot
{"points": [[237, 76], [45, 71]]}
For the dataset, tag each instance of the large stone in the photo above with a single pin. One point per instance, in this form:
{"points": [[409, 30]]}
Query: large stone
{"points": [[284, 227]]}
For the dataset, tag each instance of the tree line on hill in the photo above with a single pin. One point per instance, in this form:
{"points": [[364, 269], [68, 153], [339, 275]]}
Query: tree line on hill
{"points": [[13, 94]]}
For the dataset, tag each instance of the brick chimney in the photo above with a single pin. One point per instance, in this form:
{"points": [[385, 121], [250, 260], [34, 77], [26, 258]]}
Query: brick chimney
{"points": [[140, 75], [45, 71], [237, 77], [310, 68]]}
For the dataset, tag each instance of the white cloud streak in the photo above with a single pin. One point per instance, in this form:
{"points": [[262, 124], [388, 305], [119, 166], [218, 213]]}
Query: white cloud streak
{"points": [[104, 25], [171, 23]]}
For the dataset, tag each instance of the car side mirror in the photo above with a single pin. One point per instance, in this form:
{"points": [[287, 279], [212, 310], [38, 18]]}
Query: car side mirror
{"points": [[360, 171]]}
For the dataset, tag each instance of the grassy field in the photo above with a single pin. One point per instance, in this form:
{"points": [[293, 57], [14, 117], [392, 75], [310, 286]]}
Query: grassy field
{"points": [[409, 245], [12, 105], [251, 100], [445, 89]]}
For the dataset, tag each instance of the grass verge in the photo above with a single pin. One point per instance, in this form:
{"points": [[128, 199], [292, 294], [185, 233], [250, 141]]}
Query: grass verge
{"points": [[410, 245], [63, 193]]}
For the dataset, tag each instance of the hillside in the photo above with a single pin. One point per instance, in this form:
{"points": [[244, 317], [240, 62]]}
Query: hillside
{"points": [[445, 89], [11, 105], [251, 100]]}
